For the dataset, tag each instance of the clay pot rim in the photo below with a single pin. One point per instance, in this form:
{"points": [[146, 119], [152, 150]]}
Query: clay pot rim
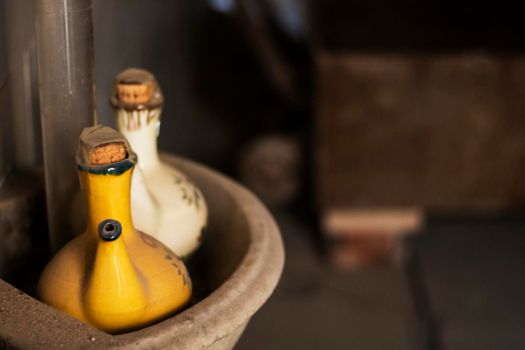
{"points": [[246, 289]]}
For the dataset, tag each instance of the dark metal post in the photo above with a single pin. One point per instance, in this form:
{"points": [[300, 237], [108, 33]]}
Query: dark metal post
{"points": [[5, 136], [64, 43], [24, 115]]}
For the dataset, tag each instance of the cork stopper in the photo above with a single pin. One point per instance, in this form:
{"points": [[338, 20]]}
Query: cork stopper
{"points": [[136, 88], [134, 93], [107, 154], [100, 146]]}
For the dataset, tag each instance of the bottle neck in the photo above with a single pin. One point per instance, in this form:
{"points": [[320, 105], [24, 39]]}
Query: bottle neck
{"points": [[141, 128], [108, 197]]}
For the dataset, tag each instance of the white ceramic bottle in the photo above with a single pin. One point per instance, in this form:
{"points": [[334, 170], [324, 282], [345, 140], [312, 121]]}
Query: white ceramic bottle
{"points": [[164, 202]]}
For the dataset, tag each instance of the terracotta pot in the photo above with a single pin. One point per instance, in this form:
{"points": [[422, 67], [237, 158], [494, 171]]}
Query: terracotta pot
{"points": [[244, 258]]}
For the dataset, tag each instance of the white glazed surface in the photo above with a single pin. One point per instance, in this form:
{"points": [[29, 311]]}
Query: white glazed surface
{"points": [[164, 202]]}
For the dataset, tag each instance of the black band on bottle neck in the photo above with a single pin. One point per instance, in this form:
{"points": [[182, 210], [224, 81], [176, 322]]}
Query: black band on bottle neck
{"points": [[109, 169]]}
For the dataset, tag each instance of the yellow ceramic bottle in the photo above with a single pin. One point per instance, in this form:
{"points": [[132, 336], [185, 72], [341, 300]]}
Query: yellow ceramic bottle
{"points": [[112, 276]]}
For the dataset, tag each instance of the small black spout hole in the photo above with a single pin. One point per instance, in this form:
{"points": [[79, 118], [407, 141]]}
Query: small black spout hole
{"points": [[109, 230]]}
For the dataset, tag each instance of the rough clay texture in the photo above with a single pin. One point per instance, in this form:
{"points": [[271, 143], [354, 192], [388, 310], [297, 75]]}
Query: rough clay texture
{"points": [[245, 256]]}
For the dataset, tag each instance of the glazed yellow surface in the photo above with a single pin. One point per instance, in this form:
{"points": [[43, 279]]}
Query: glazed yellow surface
{"points": [[115, 285]]}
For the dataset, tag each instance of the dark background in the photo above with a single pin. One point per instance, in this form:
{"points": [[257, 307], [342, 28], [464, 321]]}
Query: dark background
{"points": [[234, 73]]}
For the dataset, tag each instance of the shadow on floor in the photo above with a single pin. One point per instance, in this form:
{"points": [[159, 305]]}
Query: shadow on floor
{"points": [[470, 276]]}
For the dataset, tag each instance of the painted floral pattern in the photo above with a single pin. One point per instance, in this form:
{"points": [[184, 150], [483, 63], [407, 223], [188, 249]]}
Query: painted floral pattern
{"points": [[190, 194]]}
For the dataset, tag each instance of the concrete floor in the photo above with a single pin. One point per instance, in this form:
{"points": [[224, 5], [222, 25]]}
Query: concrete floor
{"points": [[463, 289]]}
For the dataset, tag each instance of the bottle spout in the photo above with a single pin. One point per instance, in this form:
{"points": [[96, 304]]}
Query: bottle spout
{"points": [[109, 230]]}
